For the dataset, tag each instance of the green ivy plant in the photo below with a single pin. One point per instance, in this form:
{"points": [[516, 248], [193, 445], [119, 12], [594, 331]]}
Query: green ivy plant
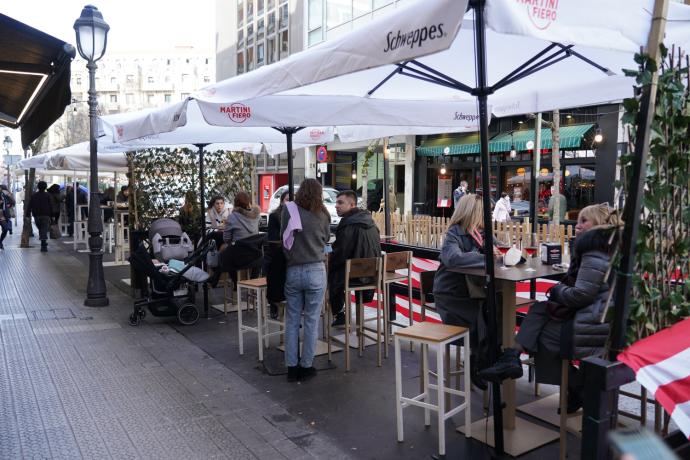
{"points": [[162, 177], [661, 295]]}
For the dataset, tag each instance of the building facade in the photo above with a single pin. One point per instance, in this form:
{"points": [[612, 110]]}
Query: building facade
{"points": [[130, 82]]}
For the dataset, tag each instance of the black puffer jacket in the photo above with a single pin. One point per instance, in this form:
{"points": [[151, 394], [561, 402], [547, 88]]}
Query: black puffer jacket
{"points": [[356, 237], [586, 290]]}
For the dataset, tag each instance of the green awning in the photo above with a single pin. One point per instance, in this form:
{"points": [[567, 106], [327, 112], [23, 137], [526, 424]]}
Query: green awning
{"points": [[571, 138], [462, 144]]}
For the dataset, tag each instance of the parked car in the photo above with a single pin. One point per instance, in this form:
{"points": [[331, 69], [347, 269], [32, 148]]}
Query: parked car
{"points": [[329, 197]]}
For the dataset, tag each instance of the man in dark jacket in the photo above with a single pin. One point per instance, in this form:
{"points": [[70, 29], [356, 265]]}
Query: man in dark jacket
{"points": [[41, 209], [356, 237]]}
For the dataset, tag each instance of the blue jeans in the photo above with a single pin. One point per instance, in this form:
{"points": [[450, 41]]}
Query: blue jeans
{"points": [[305, 286]]}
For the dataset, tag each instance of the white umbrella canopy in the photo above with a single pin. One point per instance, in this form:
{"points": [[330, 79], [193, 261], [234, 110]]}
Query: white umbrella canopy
{"points": [[516, 33]]}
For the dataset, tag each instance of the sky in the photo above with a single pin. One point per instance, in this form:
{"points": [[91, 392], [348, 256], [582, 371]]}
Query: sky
{"points": [[141, 25], [135, 25]]}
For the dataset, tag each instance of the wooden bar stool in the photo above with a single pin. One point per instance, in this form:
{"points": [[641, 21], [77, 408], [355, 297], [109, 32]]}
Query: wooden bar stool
{"points": [[355, 269], [392, 262], [257, 287], [438, 336]]}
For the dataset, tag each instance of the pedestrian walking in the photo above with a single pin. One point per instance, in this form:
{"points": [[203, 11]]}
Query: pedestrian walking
{"points": [[305, 230], [502, 209], [41, 210], [459, 192]]}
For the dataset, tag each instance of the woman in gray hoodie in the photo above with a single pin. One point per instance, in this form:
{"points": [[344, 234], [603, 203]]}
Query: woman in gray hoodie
{"points": [[243, 221]]}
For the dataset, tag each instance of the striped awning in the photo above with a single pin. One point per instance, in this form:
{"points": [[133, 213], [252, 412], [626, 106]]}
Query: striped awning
{"points": [[459, 146], [571, 138]]}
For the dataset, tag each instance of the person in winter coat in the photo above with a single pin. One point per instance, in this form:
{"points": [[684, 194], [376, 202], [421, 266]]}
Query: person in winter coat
{"points": [[569, 324], [356, 237], [42, 209], [305, 230], [274, 259], [459, 298], [502, 209], [56, 201], [6, 205], [216, 217]]}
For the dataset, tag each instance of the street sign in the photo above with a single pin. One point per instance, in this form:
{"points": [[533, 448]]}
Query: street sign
{"points": [[321, 154], [323, 167]]}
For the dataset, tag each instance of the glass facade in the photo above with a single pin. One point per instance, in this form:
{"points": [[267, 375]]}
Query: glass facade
{"points": [[327, 19], [262, 33]]}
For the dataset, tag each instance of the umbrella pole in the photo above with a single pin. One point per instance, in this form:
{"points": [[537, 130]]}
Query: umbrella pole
{"points": [[202, 215], [386, 198], [490, 305], [291, 172], [536, 164]]}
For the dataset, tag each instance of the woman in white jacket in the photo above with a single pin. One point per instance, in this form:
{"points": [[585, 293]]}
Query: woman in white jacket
{"points": [[502, 209]]}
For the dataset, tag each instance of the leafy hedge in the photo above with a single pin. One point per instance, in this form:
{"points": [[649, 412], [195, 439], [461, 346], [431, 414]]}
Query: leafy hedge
{"points": [[162, 178], [661, 296]]}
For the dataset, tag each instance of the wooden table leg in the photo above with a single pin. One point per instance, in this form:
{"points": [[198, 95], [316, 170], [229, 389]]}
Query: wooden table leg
{"points": [[508, 336]]}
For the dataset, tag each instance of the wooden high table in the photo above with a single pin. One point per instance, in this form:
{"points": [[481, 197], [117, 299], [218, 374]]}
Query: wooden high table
{"points": [[520, 435]]}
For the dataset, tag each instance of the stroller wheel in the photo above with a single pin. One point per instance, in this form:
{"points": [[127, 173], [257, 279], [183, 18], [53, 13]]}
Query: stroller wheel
{"points": [[134, 319], [188, 314]]}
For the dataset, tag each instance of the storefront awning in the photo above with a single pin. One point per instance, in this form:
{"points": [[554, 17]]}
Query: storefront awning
{"points": [[34, 78], [467, 145], [571, 138]]}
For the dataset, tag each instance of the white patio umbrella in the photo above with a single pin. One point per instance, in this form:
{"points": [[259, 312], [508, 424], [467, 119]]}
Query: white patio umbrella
{"points": [[537, 56]]}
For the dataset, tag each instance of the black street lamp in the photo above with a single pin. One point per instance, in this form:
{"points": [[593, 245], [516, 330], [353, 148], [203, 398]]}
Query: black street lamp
{"points": [[7, 143], [92, 37]]}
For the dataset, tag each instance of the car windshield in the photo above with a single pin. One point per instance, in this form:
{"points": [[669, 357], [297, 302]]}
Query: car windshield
{"points": [[329, 196]]}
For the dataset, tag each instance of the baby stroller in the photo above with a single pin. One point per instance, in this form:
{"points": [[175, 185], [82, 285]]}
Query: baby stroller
{"points": [[170, 290]]}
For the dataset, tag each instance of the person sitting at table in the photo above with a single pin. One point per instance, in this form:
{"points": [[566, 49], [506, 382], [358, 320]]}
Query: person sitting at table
{"points": [[569, 323], [356, 237], [122, 198], [216, 217], [243, 245], [107, 199], [459, 298], [190, 215]]}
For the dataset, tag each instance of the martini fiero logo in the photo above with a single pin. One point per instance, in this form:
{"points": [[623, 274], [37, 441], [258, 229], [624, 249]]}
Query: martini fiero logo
{"points": [[120, 131], [316, 134], [542, 13], [239, 113]]}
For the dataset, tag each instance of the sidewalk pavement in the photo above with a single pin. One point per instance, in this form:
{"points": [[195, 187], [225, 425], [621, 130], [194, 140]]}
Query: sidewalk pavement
{"points": [[78, 382]]}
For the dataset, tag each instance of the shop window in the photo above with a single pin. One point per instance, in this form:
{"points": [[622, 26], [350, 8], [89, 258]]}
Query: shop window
{"points": [[168, 98], [578, 187], [240, 62], [270, 4], [315, 14], [250, 59], [271, 50], [283, 19], [113, 98], [284, 45], [315, 36], [260, 29], [240, 14], [259, 7], [271, 19], [516, 182]]}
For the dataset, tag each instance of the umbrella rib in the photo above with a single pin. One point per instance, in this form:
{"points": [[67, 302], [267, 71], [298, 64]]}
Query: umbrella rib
{"points": [[528, 72], [535, 61], [424, 77], [442, 76], [398, 69], [587, 60]]}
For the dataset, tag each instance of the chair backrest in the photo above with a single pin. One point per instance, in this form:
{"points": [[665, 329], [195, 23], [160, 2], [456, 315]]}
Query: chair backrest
{"points": [[426, 282], [363, 268], [397, 260]]}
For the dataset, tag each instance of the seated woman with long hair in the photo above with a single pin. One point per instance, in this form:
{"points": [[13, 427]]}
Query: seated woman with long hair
{"points": [[569, 324], [459, 298]]}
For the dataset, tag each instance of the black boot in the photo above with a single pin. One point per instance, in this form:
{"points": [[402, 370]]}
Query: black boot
{"points": [[306, 373], [508, 366], [44, 246], [477, 381], [339, 320], [213, 279], [293, 373]]}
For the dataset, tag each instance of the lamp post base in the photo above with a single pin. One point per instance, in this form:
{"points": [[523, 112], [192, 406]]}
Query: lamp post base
{"points": [[95, 289]]}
